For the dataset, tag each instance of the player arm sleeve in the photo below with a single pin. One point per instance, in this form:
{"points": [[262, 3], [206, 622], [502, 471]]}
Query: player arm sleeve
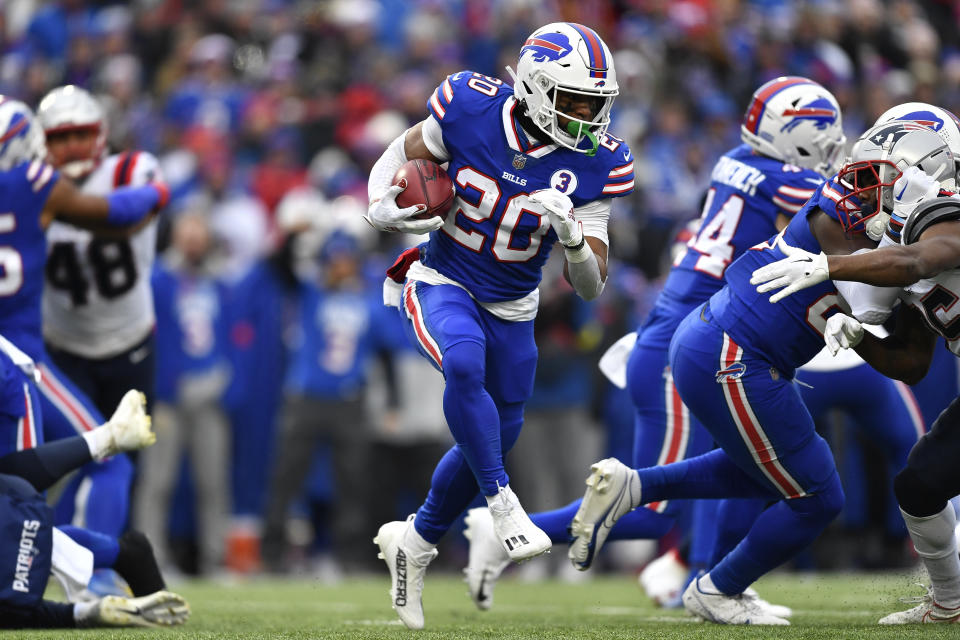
{"points": [[869, 304], [582, 265], [381, 175], [433, 139], [594, 217]]}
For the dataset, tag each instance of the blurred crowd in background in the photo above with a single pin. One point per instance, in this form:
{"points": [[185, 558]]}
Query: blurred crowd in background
{"points": [[266, 116]]}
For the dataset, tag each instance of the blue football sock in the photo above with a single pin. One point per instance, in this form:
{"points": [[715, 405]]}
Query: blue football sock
{"points": [[703, 533], [779, 533], [472, 415], [711, 475], [639, 524], [733, 520]]}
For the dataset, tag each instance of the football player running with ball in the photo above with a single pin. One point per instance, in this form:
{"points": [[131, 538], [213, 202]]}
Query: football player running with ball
{"points": [[733, 361], [532, 165]]}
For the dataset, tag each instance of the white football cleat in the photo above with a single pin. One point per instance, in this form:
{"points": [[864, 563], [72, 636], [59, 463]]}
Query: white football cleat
{"points": [[406, 571], [160, 609], [663, 579], [129, 426], [704, 601], [613, 489], [778, 610], [520, 538], [487, 558], [928, 611]]}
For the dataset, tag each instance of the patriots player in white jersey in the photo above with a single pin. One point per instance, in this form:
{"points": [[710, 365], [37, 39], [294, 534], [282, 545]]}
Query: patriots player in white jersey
{"points": [[532, 165], [35, 194], [97, 304]]}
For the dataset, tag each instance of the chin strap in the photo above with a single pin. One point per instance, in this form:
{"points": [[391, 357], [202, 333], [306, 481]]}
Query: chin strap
{"points": [[578, 128]]}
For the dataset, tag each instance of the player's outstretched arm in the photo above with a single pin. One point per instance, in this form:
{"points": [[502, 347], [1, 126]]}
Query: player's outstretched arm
{"points": [[937, 250], [124, 206]]}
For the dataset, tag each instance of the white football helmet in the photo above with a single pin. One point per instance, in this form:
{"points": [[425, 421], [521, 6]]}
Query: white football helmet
{"points": [[569, 57], [70, 108], [878, 158], [21, 139], [940, 120], [796, 121]]}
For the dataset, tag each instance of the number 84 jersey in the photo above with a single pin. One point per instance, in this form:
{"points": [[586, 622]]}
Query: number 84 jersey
{"points": [[97, 300], [747, 193], [495, 241]]}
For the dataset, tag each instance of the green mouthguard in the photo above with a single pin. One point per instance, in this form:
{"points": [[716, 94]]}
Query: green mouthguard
{"points": [[577, 128]]}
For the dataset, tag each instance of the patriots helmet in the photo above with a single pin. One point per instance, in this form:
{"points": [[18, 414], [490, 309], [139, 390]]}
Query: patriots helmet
{"points": [[21, 139], [566, 57], [72, 108], [796, 121], [877, 160], [940, 120]]}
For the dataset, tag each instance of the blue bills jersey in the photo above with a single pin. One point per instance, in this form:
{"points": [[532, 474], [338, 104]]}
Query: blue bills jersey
{"points": [[23, 252], [340, 332], [495, 241], [790, 332], [747, 192]]}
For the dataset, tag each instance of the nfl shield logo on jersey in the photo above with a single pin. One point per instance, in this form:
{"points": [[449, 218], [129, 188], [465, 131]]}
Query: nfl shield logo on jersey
{"points": [[519, 161]]}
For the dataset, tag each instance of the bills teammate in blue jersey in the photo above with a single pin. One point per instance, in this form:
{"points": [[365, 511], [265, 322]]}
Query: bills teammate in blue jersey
{"points": [[533, 165], [34, 194], [733, 361]]}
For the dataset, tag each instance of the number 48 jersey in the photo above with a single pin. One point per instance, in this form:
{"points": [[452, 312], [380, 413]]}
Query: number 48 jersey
{"points": [[495, 241], [747, 192], [97, 300]]}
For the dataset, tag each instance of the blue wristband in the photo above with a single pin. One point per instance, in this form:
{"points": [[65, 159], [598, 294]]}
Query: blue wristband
{"points": [[129, 205]]}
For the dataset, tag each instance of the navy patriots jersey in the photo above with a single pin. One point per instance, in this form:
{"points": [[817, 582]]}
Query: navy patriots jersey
{"points": [[23, 252], [790, 332], [495, 241], [747, 192]]}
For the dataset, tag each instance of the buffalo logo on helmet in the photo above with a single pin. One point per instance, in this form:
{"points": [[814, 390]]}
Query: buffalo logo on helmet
{"points": [[821, 111], [547, 46]]}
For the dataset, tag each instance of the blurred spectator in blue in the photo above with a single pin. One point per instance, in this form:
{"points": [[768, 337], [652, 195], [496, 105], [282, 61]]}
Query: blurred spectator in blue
{"points": [[341, 324], [192, 373]]}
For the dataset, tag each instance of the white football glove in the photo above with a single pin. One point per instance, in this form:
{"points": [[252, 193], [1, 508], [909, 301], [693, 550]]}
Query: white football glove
{"points": [[799, 270], [912, 188], [842, 332], [559, 208], [383, 214]]}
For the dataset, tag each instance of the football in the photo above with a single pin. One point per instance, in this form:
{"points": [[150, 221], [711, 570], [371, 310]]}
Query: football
{"points": [[426, 183]]}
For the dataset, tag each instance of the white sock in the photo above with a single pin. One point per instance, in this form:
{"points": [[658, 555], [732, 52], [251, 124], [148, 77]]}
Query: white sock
{"points": [[933, 538], [416, 544], [98, 441]]}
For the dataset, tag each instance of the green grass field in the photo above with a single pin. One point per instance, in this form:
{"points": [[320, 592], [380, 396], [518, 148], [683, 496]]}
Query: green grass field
{"points": [[826, 606]]}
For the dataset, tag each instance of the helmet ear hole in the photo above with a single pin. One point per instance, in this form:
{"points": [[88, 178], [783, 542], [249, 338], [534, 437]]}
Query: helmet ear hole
{"points": [[803, 152]]}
